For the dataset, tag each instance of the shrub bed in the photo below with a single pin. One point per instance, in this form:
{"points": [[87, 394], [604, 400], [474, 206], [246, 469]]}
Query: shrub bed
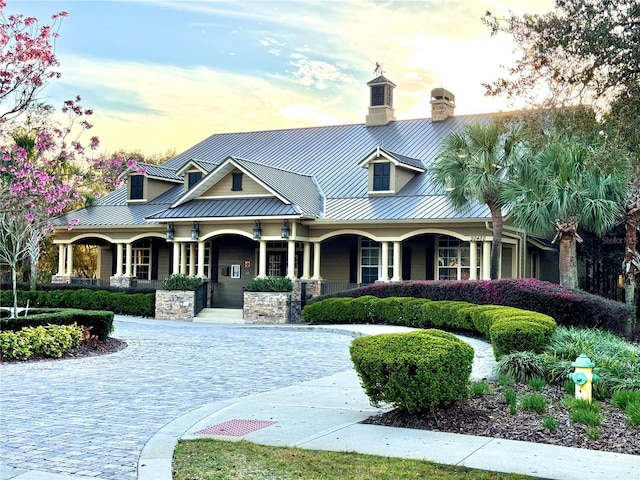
{"points": [[117, 301], [568, 307], [46, 340], [413, 371], [509, 329], [99, 322]]}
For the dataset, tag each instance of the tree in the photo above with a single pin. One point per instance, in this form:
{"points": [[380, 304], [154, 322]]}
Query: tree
{"points": [[563, 187], [584, 52], [27, 59], [472, 167]]}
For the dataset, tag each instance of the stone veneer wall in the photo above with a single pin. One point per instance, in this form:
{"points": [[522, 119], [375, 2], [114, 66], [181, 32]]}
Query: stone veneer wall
{"points": [[175, 304], [121, 281], [266, 307], [61, 278]]}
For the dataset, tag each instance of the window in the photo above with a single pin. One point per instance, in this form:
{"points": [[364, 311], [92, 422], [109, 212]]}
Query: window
{"points": [[194, 177], [381, 176], [236, 182], [377, 95], [141, 259], [136, 185], [371, 260], [454, 259]]}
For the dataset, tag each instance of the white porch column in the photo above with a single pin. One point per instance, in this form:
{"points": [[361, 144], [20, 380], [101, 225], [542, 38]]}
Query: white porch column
{"points": [[201, 259], [262, 259], [62, 250], [306, 260], [183, 258], [192, 259], [291, 259], [119, 252], [486, 260], [397, 262], [383, 275], [316, 261], [176, 257], [473, 260], [128, 270]]}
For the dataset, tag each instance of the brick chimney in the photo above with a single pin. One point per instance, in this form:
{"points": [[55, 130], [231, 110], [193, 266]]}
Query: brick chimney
{"points": [[443, 102]]}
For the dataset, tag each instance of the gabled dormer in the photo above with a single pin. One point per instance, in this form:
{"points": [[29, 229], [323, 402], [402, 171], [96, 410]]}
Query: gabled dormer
{"points": [[148, 181], [389, 171], [191, 173]]}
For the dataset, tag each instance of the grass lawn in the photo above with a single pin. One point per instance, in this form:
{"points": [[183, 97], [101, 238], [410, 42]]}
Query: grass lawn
{"points": [[217, 459]]}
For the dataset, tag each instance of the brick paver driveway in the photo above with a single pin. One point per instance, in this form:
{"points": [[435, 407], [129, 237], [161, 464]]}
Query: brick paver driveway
{"points": [[92, 416]]}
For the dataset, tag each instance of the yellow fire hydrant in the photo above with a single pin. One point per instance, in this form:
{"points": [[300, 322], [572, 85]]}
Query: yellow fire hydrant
{"points": [[583, 377]]}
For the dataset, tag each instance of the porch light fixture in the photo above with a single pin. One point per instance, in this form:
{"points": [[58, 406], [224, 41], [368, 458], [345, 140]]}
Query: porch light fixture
{"points": [[170, 232], [257, 231], [284, 231], [195, 231]]}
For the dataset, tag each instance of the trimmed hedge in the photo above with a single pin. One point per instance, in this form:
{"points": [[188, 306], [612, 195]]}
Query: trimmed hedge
{"points": [[50, 341], [100, 322], [116, 301], [413, 371], [508, 329], [567, 306]]}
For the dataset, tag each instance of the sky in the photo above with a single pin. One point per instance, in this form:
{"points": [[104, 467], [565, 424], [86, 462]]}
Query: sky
{"points": [[163, 75]]}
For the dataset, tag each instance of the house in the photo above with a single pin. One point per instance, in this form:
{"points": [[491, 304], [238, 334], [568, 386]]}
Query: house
{"points": [[326, 206]]}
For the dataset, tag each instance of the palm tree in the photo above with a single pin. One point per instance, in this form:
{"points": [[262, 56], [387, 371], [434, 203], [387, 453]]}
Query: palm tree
{"points": [[473, 166], [564, 186]]}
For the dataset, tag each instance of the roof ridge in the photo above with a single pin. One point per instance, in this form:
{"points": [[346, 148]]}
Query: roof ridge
{"points": [[271, 166]]}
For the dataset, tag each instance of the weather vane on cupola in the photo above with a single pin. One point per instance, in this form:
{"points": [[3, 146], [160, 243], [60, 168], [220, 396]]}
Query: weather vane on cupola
{"points": [[378, 70]]}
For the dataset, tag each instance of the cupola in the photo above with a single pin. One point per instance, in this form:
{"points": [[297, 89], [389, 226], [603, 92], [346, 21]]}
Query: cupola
{"points": [[381, 102]]}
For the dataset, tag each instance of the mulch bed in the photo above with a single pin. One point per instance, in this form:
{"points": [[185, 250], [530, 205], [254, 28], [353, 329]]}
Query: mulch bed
{"points": [[489, 416]]}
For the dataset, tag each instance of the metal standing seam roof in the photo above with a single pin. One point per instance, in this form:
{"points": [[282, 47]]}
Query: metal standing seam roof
{"points": [[227, 207], [303, 164]]}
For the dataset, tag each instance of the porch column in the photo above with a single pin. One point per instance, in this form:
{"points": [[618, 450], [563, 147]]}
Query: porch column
{"points": [[119, 250], [306, 260], [62, 250], [486, 260], [70, 259], [384, 269], [291, 259], [473, 260], [397, 262], [262, 260], [192, 259], [183, 258], [201, 259], [176, 258], [128, 271], [316, 261]]}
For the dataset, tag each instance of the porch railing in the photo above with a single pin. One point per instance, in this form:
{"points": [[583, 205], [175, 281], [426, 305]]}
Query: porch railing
{"points": [[328, 288]]}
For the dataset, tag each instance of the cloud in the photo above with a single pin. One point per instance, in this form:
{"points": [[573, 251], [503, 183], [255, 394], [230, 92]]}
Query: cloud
{"points": [[316, 73]]}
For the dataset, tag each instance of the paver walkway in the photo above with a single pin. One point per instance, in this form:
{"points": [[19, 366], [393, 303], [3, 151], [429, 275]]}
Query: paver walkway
{"points": [[91, 417]]}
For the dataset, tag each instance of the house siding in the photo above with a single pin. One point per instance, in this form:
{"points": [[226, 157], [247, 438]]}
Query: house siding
{"points": [[223, 187]]}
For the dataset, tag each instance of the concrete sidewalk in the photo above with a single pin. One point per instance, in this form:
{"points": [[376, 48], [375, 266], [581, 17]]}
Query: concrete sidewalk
{"points": [[325, 414]]}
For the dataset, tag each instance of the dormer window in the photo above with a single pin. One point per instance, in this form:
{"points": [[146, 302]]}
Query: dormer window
{"points": [[236, 181], [136, 187], [381, 176], [194, 177]]}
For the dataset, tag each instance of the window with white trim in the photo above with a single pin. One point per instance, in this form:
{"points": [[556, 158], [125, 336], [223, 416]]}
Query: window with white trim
{"points": [[371, 260], [454, 259]]}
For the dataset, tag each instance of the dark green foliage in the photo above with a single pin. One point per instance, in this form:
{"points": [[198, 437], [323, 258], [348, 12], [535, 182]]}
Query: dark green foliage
{"points": [[118, 301], [413, 371], [519, 334], [180, 281], [521, 366], [566, 306], [269, 284], [100, 322], [622, 398]]}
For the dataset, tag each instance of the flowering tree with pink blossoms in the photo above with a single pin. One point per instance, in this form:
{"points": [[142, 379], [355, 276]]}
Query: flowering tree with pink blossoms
{"points": [[47, 169]]}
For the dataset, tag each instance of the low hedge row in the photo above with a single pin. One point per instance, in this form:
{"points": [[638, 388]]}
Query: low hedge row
{"points": [[413, 371], [120, 302], [568, 307], [509, 329], [99, 322]]}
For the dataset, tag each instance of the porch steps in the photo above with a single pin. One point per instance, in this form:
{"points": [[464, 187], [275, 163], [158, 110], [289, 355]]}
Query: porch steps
{"points": [[220, 315]]}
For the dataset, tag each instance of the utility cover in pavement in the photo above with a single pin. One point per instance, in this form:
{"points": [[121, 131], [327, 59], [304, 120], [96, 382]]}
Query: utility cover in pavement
{"points": [[235, 428]]}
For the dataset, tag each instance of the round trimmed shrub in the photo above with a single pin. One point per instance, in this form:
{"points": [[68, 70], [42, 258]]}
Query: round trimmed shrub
{"points": [[413, 371]]}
